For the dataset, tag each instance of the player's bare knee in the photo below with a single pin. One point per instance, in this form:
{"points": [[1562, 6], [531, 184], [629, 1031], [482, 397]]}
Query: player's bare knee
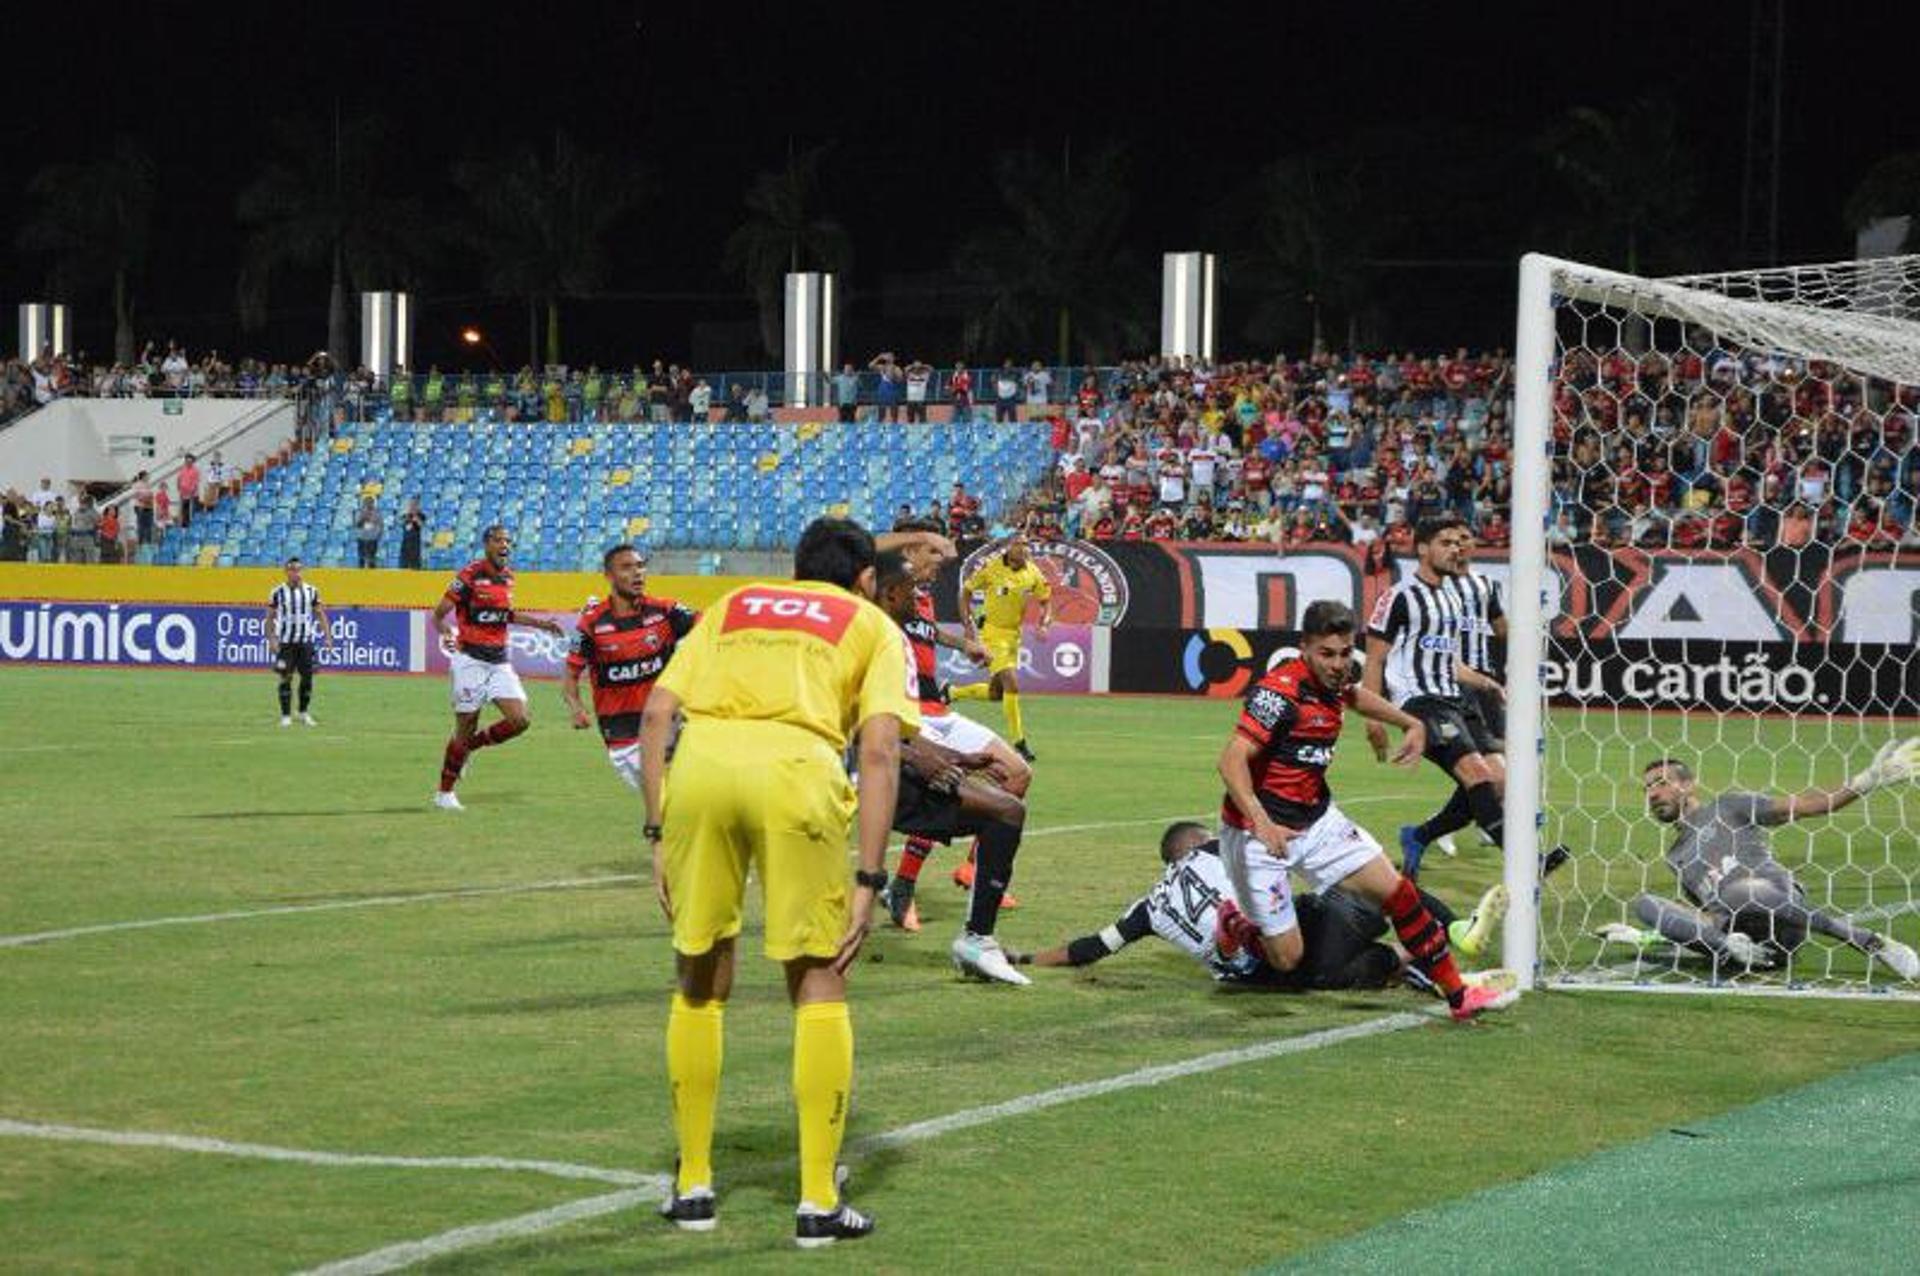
{"points": [[1284, 950]]}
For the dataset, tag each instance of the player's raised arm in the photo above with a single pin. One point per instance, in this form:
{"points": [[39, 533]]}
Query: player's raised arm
{"points": [[1897, 762]]}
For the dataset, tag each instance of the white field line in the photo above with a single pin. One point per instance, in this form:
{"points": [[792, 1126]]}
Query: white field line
{"points": [[393, 1258], [32, 938], [329, 906], [265, 1152]]}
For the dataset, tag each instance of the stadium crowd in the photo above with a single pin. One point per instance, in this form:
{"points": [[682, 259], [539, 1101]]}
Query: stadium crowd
{"points": [[1695, 451], [1688, 450]]}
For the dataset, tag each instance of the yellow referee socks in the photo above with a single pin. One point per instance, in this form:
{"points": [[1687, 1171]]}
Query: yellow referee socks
{"points": [[822, 1083], [693, 1069], [971, 691], [1011, 703]]}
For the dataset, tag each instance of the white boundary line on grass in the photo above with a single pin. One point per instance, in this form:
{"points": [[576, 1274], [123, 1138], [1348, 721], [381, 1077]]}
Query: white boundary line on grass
{"points": [[393, 1258], [328, 906], [472, 892], [266, 1152]]}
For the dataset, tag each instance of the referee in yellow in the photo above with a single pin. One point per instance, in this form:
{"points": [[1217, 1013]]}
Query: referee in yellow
{"points": [[771, 684], [1008, 579]]}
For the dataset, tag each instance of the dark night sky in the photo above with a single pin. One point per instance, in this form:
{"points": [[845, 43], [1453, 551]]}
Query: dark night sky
{"points": [[918, 98]]}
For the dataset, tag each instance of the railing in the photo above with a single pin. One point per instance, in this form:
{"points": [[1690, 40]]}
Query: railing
{"points": [[224, 437]]}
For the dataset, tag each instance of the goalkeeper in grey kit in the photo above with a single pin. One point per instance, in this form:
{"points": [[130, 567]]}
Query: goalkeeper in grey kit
{"points": [[1744, 907]]}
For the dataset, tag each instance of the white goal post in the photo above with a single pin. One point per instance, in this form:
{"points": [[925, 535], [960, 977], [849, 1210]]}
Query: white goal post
{"points": [[1753, 616]]}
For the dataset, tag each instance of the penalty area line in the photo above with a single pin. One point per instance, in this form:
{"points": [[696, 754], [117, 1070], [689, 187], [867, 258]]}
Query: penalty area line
{"points": [[393, 1258], [302, 1156]]}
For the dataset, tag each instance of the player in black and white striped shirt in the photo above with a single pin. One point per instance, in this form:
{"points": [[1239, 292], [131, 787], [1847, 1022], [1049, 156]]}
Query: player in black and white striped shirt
{"points": [[1415, 642], [1484, 620], [296, 620]]}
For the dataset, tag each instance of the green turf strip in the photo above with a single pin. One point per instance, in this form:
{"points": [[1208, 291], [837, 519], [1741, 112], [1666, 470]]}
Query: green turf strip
{"points": [[1823, 1178]]}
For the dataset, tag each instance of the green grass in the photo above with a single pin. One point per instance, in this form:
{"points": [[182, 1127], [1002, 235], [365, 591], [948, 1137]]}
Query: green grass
{"points": [[528, 1025]]}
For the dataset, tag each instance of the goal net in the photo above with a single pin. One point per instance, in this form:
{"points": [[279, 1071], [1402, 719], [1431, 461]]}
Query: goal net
{"points": [[1716, 565]]}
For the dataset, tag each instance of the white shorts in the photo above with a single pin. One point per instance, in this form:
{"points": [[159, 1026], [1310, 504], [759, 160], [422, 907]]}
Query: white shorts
{"points": [[476, 682], [626, 764], [959, 733], [1330, 850]]}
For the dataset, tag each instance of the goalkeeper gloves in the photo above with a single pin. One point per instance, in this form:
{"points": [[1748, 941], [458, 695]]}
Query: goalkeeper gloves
{"points": [[1898, 761]]}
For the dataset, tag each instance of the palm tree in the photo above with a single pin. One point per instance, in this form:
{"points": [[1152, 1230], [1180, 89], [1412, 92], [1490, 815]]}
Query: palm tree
{"points": [[1632, 182], [1309, 227], [785, 231], [541, 227], [324, 200], [1891, 188], [1060, 262], [93, 220]]}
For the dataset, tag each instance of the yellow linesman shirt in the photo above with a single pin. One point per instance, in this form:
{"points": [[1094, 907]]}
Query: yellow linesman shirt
{"points": [[804, 653], [1007, 590]]}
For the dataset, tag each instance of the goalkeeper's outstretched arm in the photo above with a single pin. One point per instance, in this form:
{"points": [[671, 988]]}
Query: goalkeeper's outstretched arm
{"points": [[1897, 762]]}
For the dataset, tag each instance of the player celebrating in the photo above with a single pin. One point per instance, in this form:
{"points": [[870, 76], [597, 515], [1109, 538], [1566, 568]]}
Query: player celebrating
{"points": [[626, 640], [1008, 579], [771, 686], [1746, 909], [924, 555], [295, 619], [1278, 814], [481, 597], [1413, 647], [1185, 908]]}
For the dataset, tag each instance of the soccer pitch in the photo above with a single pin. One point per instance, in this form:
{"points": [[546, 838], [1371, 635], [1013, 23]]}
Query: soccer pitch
{"points": [[385, 1023]]}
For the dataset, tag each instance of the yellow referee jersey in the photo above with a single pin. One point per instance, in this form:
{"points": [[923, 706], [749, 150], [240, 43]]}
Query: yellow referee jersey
{"points": [[1007, 590], [803, 653]]}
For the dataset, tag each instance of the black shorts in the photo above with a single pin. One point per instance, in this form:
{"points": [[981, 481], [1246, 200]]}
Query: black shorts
{"points": [[294, 657], [925, 812], [1487, 716], [1450, 734]]}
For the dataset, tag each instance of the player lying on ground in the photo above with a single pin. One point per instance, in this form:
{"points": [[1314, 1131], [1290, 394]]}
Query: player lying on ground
{"points": [[480, 596], [1744, 908], [924, 554], [1278, 815], [625, 641], [1186, 907]]}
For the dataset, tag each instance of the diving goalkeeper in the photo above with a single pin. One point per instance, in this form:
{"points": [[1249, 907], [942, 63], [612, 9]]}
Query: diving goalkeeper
{"points": [[1743, 905]]}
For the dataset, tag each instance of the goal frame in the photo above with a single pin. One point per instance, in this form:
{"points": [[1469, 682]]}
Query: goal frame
{"points": [[1542, 278]]}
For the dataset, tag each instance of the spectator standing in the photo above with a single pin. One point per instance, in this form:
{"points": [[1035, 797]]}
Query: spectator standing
{"points": [[189, 485], [757, 406], [368, 527], [142, 509], [42, 496], [700, 401], [892, 385], [1039, 385], [413, 526], [109, 536], [83, 536], [846, 393], [46, 524], [1006, 393], [960, 391], [162, 510], [919, 377]]}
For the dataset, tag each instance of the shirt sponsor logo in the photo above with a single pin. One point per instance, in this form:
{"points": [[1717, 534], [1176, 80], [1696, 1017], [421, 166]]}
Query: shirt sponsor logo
{"points": [[818, 614]]}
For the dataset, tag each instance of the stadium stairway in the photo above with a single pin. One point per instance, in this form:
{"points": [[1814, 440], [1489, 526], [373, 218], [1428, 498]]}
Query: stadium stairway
{"points": [[568, 490]]}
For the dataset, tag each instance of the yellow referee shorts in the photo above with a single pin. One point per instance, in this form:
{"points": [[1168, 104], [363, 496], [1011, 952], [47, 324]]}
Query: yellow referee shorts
{"points": [[768, 795], [1003, 649]]}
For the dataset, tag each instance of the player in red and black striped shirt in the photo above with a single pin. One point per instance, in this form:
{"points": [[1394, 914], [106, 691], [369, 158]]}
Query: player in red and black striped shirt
{"points": [[625, 640], [480, 597], [1278, 815]]}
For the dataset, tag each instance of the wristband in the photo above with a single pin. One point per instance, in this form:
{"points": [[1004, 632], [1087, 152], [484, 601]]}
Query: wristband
{"points": [[650, 831], [875, 880]]}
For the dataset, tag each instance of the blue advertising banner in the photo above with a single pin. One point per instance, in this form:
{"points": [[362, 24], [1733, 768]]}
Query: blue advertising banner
{"points": [[191, 635]]}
